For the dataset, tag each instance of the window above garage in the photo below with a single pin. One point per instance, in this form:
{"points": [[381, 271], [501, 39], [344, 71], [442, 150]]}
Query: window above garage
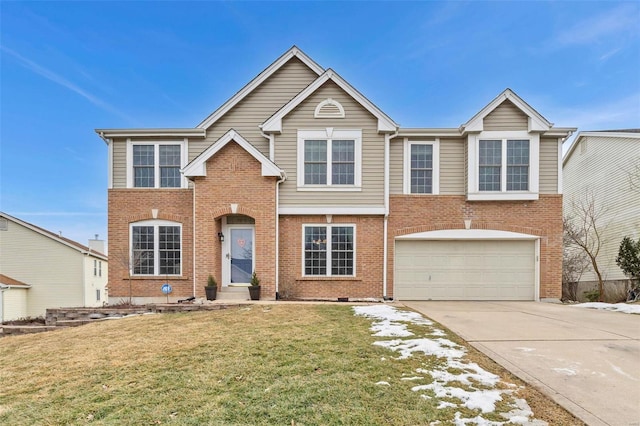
{"points": [[503, 165]]}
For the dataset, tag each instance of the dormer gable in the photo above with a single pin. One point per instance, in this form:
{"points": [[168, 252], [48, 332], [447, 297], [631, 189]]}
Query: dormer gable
{"points": [[507, 105], [198, 167], [274, 123]]}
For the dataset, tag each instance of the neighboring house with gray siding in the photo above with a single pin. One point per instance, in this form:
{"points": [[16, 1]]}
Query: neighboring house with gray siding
{"points": [[304, 181], [40, 269], [605, 166]]}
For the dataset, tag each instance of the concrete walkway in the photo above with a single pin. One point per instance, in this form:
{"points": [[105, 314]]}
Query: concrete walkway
{"points": [[586, 360]]}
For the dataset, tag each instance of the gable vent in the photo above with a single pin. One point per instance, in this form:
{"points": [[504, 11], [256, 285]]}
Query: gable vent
{"points": [[329, 108]]}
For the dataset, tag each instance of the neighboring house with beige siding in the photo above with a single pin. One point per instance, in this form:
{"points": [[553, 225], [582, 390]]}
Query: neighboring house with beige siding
{"points": [[605, 166], [302, 180], [40, 269]]}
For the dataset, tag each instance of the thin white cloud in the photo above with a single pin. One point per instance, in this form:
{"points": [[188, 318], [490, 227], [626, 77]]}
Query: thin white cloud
{"points": [[20, 214], [52, 76], [617, 22]]}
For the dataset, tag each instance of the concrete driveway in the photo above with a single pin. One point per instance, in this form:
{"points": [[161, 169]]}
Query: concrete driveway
{"points": [[586, 360]]}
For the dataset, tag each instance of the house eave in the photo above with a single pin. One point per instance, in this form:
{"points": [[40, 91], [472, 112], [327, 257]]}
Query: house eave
{"points": [[428, 132], [136, 133]]}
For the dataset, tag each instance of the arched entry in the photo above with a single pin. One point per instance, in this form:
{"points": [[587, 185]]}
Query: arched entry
{"points": [[238, 250]]}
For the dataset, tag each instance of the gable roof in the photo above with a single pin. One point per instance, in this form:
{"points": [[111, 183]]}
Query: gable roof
{"points": [[537, 123], [6, 281], [58, 238], [197, 167], [274, 123], [625, 133], [258, 80]]}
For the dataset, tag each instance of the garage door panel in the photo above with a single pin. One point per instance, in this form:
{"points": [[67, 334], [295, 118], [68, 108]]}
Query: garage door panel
{"points": [[465, 270]]}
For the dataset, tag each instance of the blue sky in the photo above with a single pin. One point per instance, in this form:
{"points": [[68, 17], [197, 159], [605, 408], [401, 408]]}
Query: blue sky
{"points": [[70, 67]]}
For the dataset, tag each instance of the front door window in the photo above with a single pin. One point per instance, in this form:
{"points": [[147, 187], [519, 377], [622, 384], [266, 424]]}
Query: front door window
{"points": [[241, 254]]}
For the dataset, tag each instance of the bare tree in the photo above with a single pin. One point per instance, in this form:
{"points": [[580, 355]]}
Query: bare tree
{"points": [[583, 229], [574, 263], [131, 260], [634, 175]]}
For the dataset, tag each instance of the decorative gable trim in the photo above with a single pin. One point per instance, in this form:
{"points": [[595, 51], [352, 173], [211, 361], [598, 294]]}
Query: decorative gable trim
{"points": [[258, 80], [537, 123], [198, 167], [329, 108], [274, 123]]}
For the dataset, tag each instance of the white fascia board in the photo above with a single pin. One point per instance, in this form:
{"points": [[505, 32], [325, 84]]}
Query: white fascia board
{"points": [[258, 80], [132, 133], [435, 132], [197, 167], [537, 123], [468, 234], [331, 210], [274, 123]]}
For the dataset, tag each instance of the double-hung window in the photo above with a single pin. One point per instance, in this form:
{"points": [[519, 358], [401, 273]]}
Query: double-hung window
{"points": [[156, 248], [155, 164], [329, 250], [329, 159], [421, 167], [504, 166]]}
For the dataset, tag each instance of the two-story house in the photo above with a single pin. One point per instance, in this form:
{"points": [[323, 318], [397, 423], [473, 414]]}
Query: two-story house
{"points": [[302, 179]]}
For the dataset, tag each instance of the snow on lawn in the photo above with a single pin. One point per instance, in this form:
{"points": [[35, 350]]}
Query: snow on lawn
{"points": [[617, 307], [471, 385]]}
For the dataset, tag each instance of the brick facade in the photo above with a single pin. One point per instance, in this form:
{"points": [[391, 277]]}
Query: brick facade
{"points": [[127, 206], [421, 213]]}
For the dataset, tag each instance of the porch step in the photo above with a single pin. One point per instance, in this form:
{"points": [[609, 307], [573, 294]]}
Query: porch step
{"points": [[233, 293]]}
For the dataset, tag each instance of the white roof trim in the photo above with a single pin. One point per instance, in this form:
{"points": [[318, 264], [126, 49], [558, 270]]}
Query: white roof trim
{"points": [[579, 136], [258, 80], [53, 236], [8, 286], [198, 167], [123, 133], [274, 123], [537, 123], [467, 234]]}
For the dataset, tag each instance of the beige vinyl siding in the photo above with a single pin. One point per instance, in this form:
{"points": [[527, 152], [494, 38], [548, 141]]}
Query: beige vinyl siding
{"points": [[506, 116], [603, 170], [94, 282], [372, 193], [119, 163], [396, 166], [548, 165], [452, 166], [14, 303], [54, 270], [259, 105]]}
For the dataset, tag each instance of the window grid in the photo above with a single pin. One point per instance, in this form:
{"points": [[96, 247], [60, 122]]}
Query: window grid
{"points": [[169, 250], [343, 162], [315, 250], [142, 260], [144, 166], [490, 165], [315, 162], [340, 256], [517, 165], [421, 168], [169, 166]]}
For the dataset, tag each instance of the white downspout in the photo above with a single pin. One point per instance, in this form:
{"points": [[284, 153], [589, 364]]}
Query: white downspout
{"points": [[282, 179], [385, 250], [193, 229]]}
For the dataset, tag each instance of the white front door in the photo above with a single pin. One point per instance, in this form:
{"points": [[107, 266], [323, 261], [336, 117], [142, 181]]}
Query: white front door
{"points": [[237, 255]]}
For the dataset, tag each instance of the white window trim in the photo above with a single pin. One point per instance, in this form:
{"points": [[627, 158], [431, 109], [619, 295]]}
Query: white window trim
{"points": [[329, 226], [473, 192], [183, 161], [329, 134], [435, 184], [156, 246]]}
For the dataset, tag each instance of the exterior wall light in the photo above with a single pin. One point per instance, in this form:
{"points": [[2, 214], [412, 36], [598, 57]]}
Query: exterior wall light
{"points": [[221, 237]]}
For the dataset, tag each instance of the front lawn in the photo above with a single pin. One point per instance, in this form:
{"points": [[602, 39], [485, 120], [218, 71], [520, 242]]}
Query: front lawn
{"points": [[284, 364]]}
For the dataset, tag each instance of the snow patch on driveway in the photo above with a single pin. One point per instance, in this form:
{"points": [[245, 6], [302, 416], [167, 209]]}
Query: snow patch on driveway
{"points": [[458, 382], [616, 307]]}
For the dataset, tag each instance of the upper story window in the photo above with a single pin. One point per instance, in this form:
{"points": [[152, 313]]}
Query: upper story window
{"points": [[329, 159], [421, 167], [503, 165], [155, 164], [156, 248]]}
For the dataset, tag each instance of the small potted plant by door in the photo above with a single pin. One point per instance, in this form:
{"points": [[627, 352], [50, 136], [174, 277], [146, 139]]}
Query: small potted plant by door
{"points": [[212, 288], [254, 288]]}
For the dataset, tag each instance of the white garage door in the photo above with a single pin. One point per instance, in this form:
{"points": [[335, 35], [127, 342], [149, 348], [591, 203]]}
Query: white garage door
{"points": [[465, 270]]}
